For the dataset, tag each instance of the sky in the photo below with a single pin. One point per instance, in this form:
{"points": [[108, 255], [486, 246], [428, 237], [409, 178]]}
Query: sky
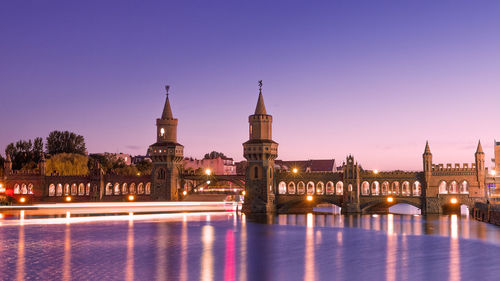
{"points": [[374, 79]]}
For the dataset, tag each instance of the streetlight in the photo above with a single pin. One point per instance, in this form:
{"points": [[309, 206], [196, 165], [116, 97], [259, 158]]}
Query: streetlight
{"points": [[309, 198], [375, 171], [208, 172], [22, 200], [493, 173], [390, 199], [295, 170], [243, 193], [184, 193], [68, 198], [131, 198], [453, 200]]}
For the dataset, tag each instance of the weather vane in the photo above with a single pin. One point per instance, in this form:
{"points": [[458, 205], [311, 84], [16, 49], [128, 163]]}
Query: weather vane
{"points": [[260, 85], [167, 88]]}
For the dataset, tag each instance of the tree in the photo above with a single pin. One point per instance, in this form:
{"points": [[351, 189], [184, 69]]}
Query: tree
{"points": [[25, 154], [145, 167], [65, 142], [67, 164], [214, 154]]}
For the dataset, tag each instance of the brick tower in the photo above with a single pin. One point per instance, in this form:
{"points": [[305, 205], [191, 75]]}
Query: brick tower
{"points": [[167, 156], [260, 151]]}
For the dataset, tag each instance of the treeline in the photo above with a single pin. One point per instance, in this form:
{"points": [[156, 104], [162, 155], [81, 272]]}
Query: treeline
{"points": [[66, 154]]}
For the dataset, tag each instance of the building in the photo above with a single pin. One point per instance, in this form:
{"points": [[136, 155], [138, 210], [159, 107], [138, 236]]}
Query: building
{"points": [[308, 166], [218, 166]]}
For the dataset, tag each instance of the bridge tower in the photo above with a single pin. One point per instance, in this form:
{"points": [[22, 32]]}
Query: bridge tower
{"points": [[497, 157], [260, 151], [167, 156], [430, 200], [480, 169], [351, 186]]}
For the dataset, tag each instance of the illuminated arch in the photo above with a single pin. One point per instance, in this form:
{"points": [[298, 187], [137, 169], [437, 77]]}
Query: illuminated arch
{"points": [[339, 188], [417, 188], [385, 188], [148, 188], [453, 187], [74, 190], [320, 188], [124, 188], [81, 189], [405, 188], [52, 190], [291, 187], [282, 187], [464, 187], [140, 188], [365, 188], [375, 188], [30, 188], [395, 188], [59, 190], [17, 189], [109, 189], [301, 188], [443, 187], [330, 188], [24, 189], [310, 188], [116, 189], [132, 188], [66, 189]]}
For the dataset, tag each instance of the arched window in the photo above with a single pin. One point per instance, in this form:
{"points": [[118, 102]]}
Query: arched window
{"points": [[124, 188], [73, 189], [17, 189], [59, 190], [109, 189], [30, 188], [349, 188], [282, 187], [301, 188], [256, 172], [365, 188], [24, 189], [140, 188], [148, 188], [270, 173], [405, 189], [443, 189], [375, 188], [81, 189], [339, 188], [160, 174], [87, 192], [395, 188], [52, 190], [417, 189], [291, 187], [453, 187], [310, 187], [320, 188], [464, 187], [132, 188], [385, 188], [116, 189], [330, 189], [66, 189]]}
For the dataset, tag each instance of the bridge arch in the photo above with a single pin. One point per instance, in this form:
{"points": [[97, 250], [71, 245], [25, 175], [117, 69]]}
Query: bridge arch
{"points": [[382, 202], [320, 188], [375, 188], [339, 188], [330, 189], [291, 187], [301, 205], [365, 188]]}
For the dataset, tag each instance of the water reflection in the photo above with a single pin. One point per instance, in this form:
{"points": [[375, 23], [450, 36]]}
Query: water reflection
{"points": [[207, 259], [309, 256], [20, 252], [129, 267], [454, 250]]}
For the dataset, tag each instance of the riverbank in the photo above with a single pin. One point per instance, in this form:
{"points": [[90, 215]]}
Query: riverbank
{"points": [[487, 213]]}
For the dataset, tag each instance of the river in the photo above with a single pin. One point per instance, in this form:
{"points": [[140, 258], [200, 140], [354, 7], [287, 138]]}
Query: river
{"points": [[227, 246]]}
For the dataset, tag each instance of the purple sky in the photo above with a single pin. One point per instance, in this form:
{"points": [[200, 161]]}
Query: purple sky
{"points": [[371, 78]]}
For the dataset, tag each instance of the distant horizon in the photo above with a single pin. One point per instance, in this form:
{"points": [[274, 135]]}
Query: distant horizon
{"points": [[374, 79]]}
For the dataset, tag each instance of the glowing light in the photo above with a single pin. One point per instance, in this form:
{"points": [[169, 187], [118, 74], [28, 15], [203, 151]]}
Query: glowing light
{"points": [[131, 198], [68, 199], [375, 171], [453, 200], [138, 174], [184, 193], [208, 172], [208, 182], [295, 170], [1, 216], [493, 172], [309, 198], [243, 193], [390, 199], [2, 189], [22, 199]]}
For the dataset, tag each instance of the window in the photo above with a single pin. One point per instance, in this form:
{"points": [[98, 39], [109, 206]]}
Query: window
{"points": [[109, 189], [148, 188], [375, 188], [162, 132], [320, 188], [385, 188], [140, 188], [453, 187], [24, 189], [464, 187], [394, 188], [124, 188], [405, 190], [17, 189], [310, 188], [66, 189], [73, 189], [59, 190], [339, 188], [365, 188], [87, 192], [132, 188], [160, 174], [116, 189], [291, 188], [329, 188], [81, 189], [301, 188], [52, 190], [443, 188], [417, 189], [256, 172], [282, 188]]}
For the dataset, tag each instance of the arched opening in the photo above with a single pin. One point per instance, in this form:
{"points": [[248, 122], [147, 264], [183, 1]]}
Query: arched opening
{"points": [[405, 189], [464, 187], [256, 172], [327, 208], [365, 188], [87, 192], [30, 188], [385, 188], [140, 188], [148, 188], [282, 187], [81, 189], [443, 189], [66, 189], [132, 188], [59, 190], [161, 174], [116, 189], [52, 190], [329, 188], [310, 188], [301, 188], [464, 210], [394, 188], [320, 188], [339, 188], [74, 190], [417, 189], [124, 188], [375, 188], [291, 188], [17, 189], [24, 189], [453, 187], [109, 189], [404, 209]]}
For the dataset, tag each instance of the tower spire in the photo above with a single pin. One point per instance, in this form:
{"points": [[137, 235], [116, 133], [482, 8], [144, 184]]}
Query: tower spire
{"points": [[261, 108], [479, 148], [167, 111], [427, 148]]}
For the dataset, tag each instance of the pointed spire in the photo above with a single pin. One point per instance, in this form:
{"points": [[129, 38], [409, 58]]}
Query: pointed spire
{"points": [[479, 148], [167, 111], [427, 148], [261, 108]]}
